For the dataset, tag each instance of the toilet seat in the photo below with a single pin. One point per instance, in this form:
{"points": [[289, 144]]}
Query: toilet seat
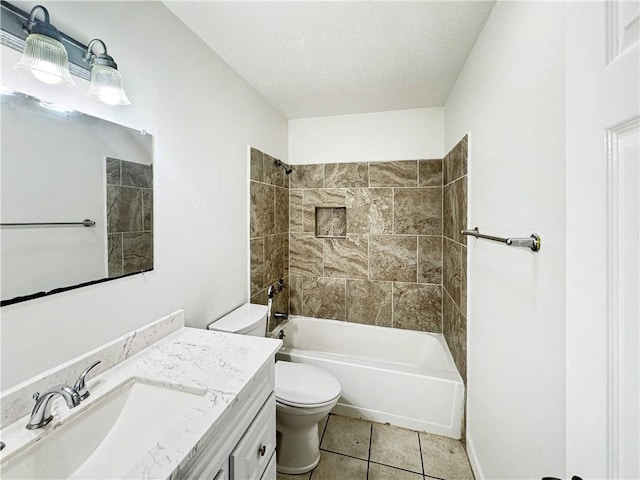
{"points": [[304, 386]]}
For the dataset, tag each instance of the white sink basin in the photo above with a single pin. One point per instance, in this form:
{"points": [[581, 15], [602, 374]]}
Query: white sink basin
{"points": [[107, 439]]}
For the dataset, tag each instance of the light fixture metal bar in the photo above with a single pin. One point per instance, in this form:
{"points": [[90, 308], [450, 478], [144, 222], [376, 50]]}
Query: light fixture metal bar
{"points": [[14, 35]]}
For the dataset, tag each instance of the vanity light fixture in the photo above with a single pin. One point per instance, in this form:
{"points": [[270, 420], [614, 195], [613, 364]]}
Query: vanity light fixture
{"points": [[52, 57], [44, 55], [106, 81]]}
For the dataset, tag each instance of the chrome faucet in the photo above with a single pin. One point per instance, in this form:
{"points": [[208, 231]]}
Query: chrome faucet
{"points": [[80, 386], [41, 414], [280, 317]]}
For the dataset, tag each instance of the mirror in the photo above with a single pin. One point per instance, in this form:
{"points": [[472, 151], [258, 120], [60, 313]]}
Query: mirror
{"points": [[76, 200]]}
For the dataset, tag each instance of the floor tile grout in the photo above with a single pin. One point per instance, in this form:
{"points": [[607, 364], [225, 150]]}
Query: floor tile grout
{"points": [[423, 475], [370, 442], [420, 449]]}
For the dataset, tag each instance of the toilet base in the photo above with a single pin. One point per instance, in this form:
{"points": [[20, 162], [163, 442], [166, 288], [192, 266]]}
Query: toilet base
{"points": [[298, 470], [298, 449]]}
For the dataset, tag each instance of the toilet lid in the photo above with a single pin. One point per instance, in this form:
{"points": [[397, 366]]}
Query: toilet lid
{"points": [[305, 385]]}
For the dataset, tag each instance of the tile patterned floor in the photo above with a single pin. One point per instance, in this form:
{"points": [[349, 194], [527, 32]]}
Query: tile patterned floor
{"points": [[352, 449]]}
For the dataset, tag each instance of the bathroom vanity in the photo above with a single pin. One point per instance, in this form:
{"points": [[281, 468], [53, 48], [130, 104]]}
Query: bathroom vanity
{"points": [[193, 404]]}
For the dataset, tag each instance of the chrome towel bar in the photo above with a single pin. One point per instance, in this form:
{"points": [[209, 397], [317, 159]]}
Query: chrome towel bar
{"points": [[85, 223], [534, 242]]}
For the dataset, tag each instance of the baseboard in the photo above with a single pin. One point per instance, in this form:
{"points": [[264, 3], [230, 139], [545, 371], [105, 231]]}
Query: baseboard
{"points": [[473, 458]]}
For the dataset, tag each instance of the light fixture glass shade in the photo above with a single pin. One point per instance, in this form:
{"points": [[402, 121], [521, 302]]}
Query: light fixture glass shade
{"points": [[107, 86], [46, 59]]}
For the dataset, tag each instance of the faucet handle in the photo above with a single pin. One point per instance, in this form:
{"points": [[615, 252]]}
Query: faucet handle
{"points": [[80, 385]]}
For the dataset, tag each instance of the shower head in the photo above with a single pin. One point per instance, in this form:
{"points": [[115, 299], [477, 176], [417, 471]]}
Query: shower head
{"points": [[287, 170]]}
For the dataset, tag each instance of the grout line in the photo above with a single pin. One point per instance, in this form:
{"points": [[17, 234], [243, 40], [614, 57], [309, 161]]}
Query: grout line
{"points": [[348, 456], [370, 443], [421, 459], [392, 466]]}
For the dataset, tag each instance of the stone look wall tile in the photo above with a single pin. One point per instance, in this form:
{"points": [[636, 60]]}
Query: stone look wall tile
{"points": [[137, 251], [459, 211], [402, 173], [275, 256], [256, 165], [129, 197], [455, 255], [272, 174], [331, 222], [113, 171], [418, 211], [320, 198], [455, 162], [463, 149], [260, 298], [448, 222], [455, 210], [460, 343], [323, 298], [430, 260], [262, 221], [417, 307], [295, 294], [463, 281], [136, 175], [280, 304], [281, 220], [256, 247], [393, 257], [347, 258], [307, 176], [452, 254], [296, 210], [269, 229], [305, 255], [147, 209], [124, 209], [369, 302], [339, 175], [369, 210], [430, 173], [115, 255], [447, 319]]}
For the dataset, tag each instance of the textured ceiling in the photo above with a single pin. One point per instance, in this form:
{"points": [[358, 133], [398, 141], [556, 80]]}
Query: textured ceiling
{"points": [[311, 59]]}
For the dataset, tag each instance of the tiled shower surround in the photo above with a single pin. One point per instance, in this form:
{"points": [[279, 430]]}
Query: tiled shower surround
{"points": [[129, 216], [454, 317], [387, 250], [268, 229], [387, 270]]}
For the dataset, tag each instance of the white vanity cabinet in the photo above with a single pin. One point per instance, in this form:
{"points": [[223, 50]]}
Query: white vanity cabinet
{"points": [[242, 446]]}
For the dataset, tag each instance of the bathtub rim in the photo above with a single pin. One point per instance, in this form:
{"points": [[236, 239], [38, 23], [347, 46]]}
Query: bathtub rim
{"points": [[451, 374]]}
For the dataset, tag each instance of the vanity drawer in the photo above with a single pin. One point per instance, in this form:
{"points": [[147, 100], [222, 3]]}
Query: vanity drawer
{"points": [[252, 454]]}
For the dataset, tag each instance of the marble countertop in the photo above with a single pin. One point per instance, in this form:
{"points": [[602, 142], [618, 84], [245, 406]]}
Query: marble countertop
{"points": [[220, 364]]}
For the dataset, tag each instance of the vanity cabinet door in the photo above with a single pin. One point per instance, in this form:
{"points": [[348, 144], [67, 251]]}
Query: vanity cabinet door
{"points": [[270, 472], [223, 473], [251, 456]]}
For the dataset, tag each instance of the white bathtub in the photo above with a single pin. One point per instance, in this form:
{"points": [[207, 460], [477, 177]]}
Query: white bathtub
{"points": [[402, 377]]}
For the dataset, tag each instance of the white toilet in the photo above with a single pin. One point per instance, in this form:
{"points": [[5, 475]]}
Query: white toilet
{"points": [[304, 395]]}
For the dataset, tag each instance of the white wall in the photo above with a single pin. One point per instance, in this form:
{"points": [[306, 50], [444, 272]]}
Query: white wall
{"points": [[202, 116], [394, 135], [510, 98]]}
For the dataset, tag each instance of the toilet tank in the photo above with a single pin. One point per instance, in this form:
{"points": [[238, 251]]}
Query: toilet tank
{"points": [[248, 319]]}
